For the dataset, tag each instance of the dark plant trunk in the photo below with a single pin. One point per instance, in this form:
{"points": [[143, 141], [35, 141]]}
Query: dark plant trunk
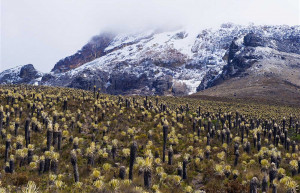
{"points": [[228, 138], [54, 166], [22, 161], [133, 152], [179, 171], [122, 172], [147, 178], [208, 139], [7, 147], [235, 176], [19, 146], [41, 166], [65, 107], [237, 154], [253, 185], [206, 153], [1, 121], [272, 174], [184, 169], [114, 151], [194, 125], [59, 137], [165, 135], [91, 161], [75, 167], [29, 156], [55, 138], [274, 188], [11, 166], [16, 128], [223, 136], [258, 146], [248, 147], [7, 169], [54, 119], [294, 147], [49, 138], [27, 132], [7, 121], [170, 155], [47, 164], [264, 185]]}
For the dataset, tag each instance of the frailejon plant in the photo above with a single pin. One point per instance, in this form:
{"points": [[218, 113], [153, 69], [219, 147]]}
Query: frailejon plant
{"points": [[75, 166], [133, 152], [204, 143]]}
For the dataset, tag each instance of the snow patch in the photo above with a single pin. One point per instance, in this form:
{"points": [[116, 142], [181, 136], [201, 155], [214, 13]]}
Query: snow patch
{"points": [[184, 54]]}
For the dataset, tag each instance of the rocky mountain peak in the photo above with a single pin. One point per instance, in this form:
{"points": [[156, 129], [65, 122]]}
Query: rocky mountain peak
{"points": [[253, 49], [92, 50], [20, 74], [179, 62], [28, 72]]}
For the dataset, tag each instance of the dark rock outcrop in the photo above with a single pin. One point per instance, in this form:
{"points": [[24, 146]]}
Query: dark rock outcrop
{"points": [[242, 57], [94, 49], [126, 83], [86, 80], [233, 48], [289, 44], [163, 85], [28, 73], [208, 80], [166, 63], [122, 83], [253, 40], [47, 77]]}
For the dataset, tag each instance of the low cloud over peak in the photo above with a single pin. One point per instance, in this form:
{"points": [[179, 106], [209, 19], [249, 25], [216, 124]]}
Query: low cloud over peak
{"points": [[42, 32]]}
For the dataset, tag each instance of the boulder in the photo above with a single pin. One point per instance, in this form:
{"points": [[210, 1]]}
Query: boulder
{"points": [[28, 73], [253, 40]]}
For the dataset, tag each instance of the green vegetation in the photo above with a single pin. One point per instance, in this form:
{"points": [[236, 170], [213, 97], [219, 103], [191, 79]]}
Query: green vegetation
{"points": [[67, 140]]}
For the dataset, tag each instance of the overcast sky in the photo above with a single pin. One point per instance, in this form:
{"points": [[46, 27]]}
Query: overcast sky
{"points": [[42, 32]]}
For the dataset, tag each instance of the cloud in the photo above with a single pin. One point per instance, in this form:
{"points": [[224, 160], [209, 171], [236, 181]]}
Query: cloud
{"points": [[42, 32]]}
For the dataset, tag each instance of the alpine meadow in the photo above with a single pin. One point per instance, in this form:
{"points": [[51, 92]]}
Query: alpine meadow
{"points": [[150, 96]]}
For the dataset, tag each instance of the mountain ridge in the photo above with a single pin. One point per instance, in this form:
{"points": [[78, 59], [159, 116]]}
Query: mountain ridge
{"points": [[176, 63]]}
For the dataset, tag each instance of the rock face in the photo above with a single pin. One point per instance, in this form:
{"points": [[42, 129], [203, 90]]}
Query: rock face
{"points": [[94, 49], [46, 77], [272, 77], [252, 50], [26, 74], [253, 40], [154, 62]]}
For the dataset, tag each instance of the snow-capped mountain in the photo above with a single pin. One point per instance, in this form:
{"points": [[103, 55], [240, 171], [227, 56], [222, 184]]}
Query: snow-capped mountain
{"points": [[25, 74], [159, 62]]}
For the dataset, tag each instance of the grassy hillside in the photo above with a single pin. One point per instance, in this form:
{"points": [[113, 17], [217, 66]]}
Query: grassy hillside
{"points": [[67, 140], [269, 80], [261, 89]]}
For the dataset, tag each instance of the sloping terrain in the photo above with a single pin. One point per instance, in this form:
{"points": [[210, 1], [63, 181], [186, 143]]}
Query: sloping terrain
{"points": [[26, 74], [70, 140], [177, 63], [266, 89], [259, 73]]}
